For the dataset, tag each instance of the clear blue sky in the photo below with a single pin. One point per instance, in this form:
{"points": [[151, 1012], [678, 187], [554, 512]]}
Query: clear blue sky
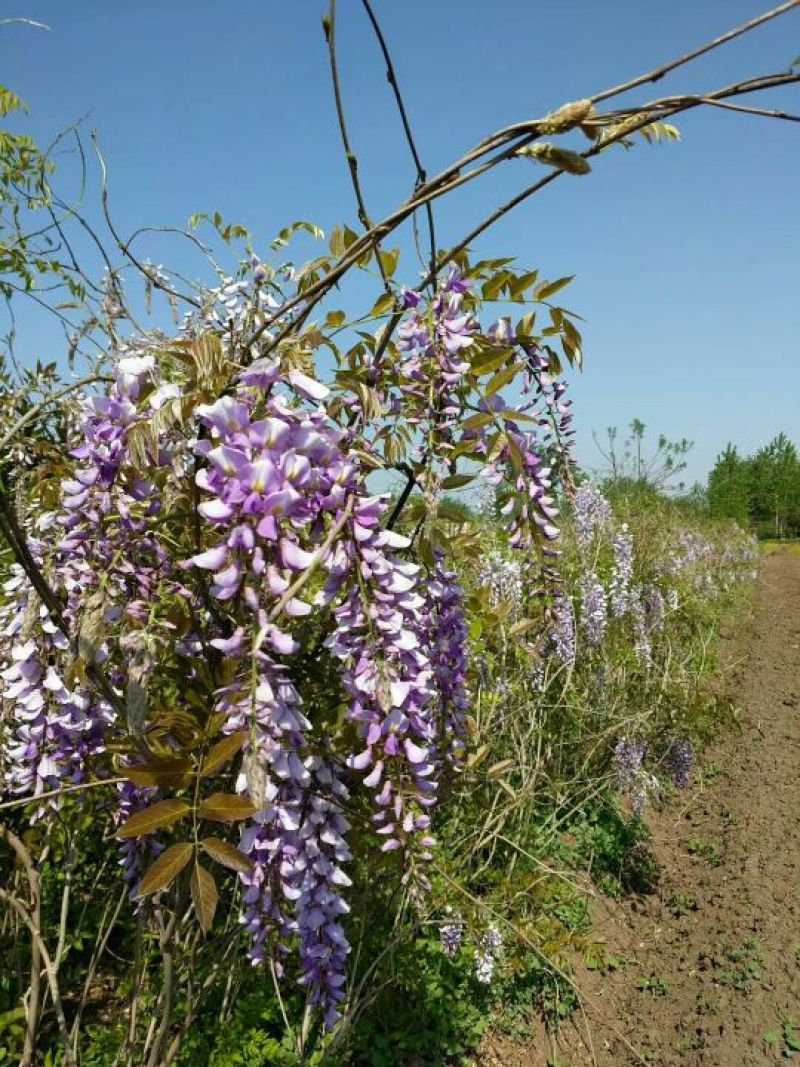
{"points": [[686, 256]]}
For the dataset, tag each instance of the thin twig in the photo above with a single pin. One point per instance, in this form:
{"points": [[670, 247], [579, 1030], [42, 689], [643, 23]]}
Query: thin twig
{"points": [[124, 246], [329, 27], [422, 177], [658, 72], [32, 412], [52, 793]]}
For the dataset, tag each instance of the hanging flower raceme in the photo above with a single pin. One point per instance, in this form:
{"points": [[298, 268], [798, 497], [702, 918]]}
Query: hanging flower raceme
{"points": [[277, 474], [555, 414], [447, 641], [432, 339], [593, 608], [563, 632], [622, 575], [297, 840], [57, 722], [501, 578], [382, 640], [592, 515], [101, 555], [487, 950], [679, 761], [136, 853], [642, 644], [451, 935]]}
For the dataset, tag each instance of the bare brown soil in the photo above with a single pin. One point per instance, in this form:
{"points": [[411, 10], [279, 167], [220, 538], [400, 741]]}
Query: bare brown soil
{"points": [[709, 964]]}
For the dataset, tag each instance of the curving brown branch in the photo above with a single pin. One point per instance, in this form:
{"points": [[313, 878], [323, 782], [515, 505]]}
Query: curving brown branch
{"points": [[501, 147]]}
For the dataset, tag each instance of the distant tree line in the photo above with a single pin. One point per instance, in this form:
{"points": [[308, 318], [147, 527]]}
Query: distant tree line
{"points": [[762, 490]]}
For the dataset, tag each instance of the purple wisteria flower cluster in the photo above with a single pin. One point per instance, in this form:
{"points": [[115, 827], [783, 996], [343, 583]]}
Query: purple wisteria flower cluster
{"points": [[563, 632], [631, 777], [642, 645], [679, 761], [451, 936], [592, 514], [502, 578], [487, 950], [594, 611], [60, 725], [622, 574], [628, 757]]}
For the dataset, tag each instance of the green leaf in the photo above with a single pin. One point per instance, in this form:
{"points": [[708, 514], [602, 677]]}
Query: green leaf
{"points": [[475, 422], [204, 896], [162, 813], [226, 854], [389, 261], [382, 305], [336, 242], [491, 289], [166, 869], [223, 752], [525, 326], [488, 360], [456, 481], [335, 319], [525, 281], [477, 757], [502, 378], [226, 807], [660, 131], [549, 289], [283, 237]]}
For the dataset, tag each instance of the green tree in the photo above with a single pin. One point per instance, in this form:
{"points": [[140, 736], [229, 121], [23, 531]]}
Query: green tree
{"points": [[730, 489], [776, 481]]}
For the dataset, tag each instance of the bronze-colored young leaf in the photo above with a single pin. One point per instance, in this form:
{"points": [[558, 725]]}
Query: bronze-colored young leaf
{"points": [[477, 757], [173, 773], [226, 854], [223, 752], [498, 769], [523, 282], [204, 896], [162, 813], [226, 807], [165, 869], [491, 289]]}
